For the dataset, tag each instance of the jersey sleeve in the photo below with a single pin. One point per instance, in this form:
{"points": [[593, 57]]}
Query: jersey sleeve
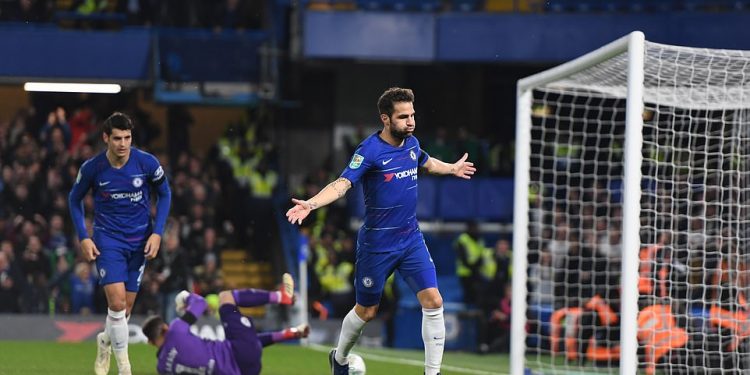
{"points": [[423, 157], [155, 171], [75, 198], [360, 163], [158, 180]]}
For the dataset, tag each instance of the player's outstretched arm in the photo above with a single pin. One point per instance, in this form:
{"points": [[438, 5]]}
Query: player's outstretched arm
{"points": [[330, 193], [461, 168]]}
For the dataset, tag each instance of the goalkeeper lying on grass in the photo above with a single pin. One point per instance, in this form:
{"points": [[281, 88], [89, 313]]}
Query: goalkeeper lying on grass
{"points": [[180, 351]]}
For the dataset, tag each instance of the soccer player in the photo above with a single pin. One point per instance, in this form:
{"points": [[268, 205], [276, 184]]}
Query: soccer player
{"points": [[182, 352], [386, 162], [121, 179]]}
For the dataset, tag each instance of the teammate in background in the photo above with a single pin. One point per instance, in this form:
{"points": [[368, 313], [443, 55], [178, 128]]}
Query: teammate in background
{"points": [[121, 179], [386, 162], [182, 352]]}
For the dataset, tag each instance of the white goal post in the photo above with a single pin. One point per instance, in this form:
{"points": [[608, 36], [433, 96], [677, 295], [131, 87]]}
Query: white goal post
{"points": [[632, 209]]}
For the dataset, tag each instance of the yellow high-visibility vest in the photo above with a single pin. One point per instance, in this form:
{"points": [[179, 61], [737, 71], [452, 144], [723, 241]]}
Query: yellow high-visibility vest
{"points": [[473, 254]]}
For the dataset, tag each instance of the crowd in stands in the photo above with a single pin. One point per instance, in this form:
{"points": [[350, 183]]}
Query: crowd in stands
{"points": [[41, 268], [692, 268], [247, 14], [216, 15]]}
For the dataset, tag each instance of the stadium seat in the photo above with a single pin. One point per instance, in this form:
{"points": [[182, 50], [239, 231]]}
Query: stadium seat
{"points": [[442, 253], [495, 199], [466, 5], [428, 197], [615, 191], [430, 5], [450, 288], [458, 200]]}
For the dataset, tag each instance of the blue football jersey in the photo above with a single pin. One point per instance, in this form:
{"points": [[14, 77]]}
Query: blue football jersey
{"points": [[122, 201], [389, 176]]}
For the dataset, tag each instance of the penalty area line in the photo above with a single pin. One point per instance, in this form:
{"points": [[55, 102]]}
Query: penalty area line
{"points": [[410, 362]]}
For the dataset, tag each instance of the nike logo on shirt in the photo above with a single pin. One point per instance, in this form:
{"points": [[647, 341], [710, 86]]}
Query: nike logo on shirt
{"points": [[103, 183], [387, 161]]}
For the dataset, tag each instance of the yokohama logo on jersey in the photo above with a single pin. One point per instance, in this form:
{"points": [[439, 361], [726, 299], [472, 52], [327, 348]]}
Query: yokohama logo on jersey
{"points": [[403, 174], [134, 197]]}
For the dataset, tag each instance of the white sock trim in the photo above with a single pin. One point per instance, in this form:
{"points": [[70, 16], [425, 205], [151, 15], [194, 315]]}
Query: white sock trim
{"points": [[116, 315]]}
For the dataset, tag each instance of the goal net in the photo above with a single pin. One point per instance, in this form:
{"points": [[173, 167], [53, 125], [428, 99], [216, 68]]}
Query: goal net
{"points": [[632, 220]]}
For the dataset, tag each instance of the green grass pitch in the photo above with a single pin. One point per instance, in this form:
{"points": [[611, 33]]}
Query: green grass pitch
{"points": [[44, 358]]}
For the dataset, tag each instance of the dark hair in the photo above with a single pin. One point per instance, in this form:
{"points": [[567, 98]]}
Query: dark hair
{"points": [[117, 120], [394, 95], [151, 327]]}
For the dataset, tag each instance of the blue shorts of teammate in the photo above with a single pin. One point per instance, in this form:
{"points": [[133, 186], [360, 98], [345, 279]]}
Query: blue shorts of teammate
{"points": [[119, 261], [414, 264], [240, 331]]}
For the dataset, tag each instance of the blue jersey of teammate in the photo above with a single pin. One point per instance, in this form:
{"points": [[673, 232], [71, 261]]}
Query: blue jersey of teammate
{"points": [[389, 178], [122, 197], [122, 213], [185, 353]]}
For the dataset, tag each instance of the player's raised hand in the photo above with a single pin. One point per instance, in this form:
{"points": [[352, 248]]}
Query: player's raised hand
{"points": [[152, 246], [89, 250], [299, 212], [462, 168]]}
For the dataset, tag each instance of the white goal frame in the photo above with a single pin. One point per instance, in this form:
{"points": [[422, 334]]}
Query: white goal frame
{"points": [[634, 44]]}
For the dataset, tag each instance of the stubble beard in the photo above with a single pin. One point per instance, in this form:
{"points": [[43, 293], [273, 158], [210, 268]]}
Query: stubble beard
{"points": [[402, 135]]}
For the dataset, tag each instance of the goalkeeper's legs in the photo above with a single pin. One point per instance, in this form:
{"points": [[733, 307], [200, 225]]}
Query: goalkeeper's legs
{"points": [[292, 333], [258, 297]]}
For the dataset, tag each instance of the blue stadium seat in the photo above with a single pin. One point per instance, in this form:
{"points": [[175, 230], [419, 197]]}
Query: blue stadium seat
{"points": [[442, 253], [450, 288], [466, 5], [449, 285], [495, 199], [615, 191], [428, 197], [372, 4], [699, 5], [401, 5], [561, 5], [430, 5], [458, 200]]}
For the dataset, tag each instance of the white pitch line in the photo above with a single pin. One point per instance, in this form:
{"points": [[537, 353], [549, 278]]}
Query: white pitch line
{"points": [[410, 362]]}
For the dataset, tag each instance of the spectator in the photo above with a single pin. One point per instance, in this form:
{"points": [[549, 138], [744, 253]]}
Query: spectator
{"points": [[335, 280], [504, 261], [83, 286], [60, 285], [470, 256], [236, 15], [172, 272], [28, 11], [439, 146], [56, 120], [11, 283], [263, 183], [541, 280], [498, 335], [208, 277], [149, 298]]}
